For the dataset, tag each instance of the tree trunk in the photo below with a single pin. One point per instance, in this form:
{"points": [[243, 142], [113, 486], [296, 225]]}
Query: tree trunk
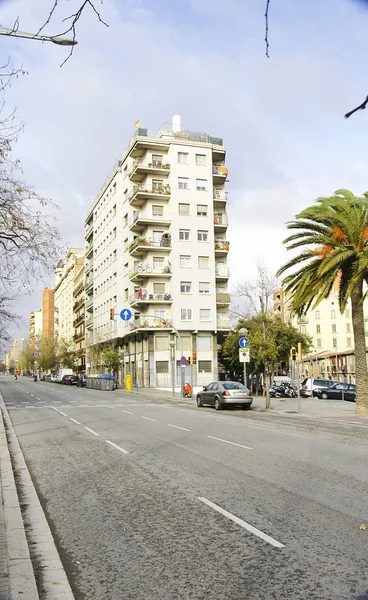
{"points": [[361, 371], [267, 385]]}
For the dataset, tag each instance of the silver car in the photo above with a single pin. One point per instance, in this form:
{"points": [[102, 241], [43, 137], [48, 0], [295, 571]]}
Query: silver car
{"points": [[225, 393]]}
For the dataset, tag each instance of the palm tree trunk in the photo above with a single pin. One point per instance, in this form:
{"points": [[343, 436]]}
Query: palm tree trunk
{"points": [[361, 371]]}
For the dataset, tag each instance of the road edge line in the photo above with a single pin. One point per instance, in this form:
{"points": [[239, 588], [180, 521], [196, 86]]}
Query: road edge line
{"points": [[22, 575]]}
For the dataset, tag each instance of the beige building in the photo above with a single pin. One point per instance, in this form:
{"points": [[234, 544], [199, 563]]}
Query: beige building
{"points": [[35, 328], [48, 311], [65, 273], [12, 356], [79, 319], [156, 244]]}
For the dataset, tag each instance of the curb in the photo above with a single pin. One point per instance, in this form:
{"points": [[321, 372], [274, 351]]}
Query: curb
{"points": [[54, 582]]}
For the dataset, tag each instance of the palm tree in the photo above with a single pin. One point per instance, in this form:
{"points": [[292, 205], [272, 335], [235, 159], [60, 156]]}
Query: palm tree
{"points": [[334, 234]]}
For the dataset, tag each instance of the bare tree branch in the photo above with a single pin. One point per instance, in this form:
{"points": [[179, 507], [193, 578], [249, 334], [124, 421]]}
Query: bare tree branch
{"points": [[266, 20], [361, 106], [48, 18]]}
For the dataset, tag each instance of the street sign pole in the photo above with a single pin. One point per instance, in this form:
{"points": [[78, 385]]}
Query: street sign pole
{"points": [[298, 388]]}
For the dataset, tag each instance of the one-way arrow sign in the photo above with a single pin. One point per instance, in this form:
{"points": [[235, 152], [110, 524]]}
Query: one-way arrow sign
{"points": [[126, 314]]}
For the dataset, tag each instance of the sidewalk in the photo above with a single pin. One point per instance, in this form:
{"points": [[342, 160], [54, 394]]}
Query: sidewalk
{"points": [[4, 560]]}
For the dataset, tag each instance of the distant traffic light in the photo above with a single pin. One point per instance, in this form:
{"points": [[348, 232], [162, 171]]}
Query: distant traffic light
{"points": [[112, 314], [293, 353]]}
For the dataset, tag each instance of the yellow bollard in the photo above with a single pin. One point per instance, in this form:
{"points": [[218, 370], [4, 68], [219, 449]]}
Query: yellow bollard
{"points": [[128, 383]]}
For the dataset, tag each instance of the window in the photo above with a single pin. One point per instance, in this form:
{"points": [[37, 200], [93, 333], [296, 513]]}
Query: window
{"points": [[201, 185], [185, 287], [157, 235], [204, 366], [204, 342], [333, 314], [204, 314], [183, 158], [183, 183], [203, 262], [202, 210], [334, 328], [184, 235], [185, 260], [158, 262], [157, 184], [162, 342], [162, 366], [125, 220], [318, 329], [317, 314], [319, 343], [157, 159], [159, 288], [334, 342], [348, 328], [302, 329], [204, 287], [126, 294], [157, 211], [186, 340], [159, 313], [184, 209], [348, 342], [347, 313], [201, 160], [202, 236], [126, 268], [186, 314]]}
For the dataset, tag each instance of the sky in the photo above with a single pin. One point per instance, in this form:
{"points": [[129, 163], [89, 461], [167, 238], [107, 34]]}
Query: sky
{"points": [[281, 117]]}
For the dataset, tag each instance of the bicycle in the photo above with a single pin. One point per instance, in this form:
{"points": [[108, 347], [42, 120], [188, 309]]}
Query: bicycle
{"points": [[144, 268]]}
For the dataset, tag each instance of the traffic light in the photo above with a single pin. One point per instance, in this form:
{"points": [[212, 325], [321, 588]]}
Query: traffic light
{"points": [[299, 351], [112, 314], [293, 353]]}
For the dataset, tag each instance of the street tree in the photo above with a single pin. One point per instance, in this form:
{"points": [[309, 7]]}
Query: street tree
{"points": [[12, 366], [66, 356], [333, 236], [48, 352], [26, 358], [2, 367], [111, 358]]}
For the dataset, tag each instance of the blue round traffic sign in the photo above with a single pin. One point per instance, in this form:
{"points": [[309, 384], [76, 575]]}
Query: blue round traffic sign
{"points": [[183, 361], [244, 342], [126, 314]]}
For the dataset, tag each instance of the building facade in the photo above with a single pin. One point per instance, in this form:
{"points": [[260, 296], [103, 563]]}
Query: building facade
{"points": [[35, 328], [79, 319], [156, 244], [48, 311], [64, 286]]}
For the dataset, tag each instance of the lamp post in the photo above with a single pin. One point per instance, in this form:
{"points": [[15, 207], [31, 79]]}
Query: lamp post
{"points": [[59, 40], [172, 351], [243, 332]]}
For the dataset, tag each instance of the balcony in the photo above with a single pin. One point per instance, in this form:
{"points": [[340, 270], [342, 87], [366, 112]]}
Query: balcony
{"points": [[140, 220], [220, 222], [145, 296], [220, 195], [222, 274], [78, 304], [141, 169], [141, 193], [78, 320], [142, 245], [89, 282], [78, 288], [88, 232], [223, 324], [219, 173], [89, 250], [89, 323], [89, 304], [81, 352], [89, 265], [78, 336], [222, 298], [303, 320], [221, 247], [148, 322], [145, 270]]}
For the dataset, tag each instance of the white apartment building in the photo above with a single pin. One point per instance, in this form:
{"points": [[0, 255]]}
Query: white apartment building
{"points": [[156, 244], [65, 273]]}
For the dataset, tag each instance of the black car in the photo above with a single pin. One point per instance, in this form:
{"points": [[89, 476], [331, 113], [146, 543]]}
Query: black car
{"points": [[82, 380], [338, 391], [70, 379]]}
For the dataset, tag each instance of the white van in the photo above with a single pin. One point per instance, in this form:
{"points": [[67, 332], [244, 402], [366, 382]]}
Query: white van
{"points": [[61, 373], [310, 384]]}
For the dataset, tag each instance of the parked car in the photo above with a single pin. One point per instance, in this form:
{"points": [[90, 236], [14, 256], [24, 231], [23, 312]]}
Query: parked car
{"points": [[53, 379], [225, 393], [338, 391], [82, 380], [69, 379], [310, 386]]}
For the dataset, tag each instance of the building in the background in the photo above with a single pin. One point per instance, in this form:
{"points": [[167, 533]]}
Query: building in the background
{"points": [[35, 328], [156, 244], [79, 319], [63, 293], [48, 311], [332, 351], [12, 356]]}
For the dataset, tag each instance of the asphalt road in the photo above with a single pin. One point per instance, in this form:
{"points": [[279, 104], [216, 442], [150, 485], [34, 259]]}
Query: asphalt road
{"points": [[156, 500]]}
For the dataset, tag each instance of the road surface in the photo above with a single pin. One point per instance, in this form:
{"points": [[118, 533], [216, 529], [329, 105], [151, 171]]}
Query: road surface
{"points": [[151, 499]]}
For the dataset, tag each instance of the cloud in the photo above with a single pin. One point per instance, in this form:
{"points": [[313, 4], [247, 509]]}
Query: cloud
{"points": [[281, 119]]}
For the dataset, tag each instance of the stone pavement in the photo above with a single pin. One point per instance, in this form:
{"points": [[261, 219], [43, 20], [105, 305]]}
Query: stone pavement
{"points": [[4, 571]]}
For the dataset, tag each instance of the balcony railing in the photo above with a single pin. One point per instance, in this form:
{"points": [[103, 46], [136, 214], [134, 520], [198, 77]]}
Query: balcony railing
{"points": [[89, 281], [223, 324], [89, 322], [143, 243], [78, 304], [145, 191], [89, 249], [139, 166], [88, 231], [146, 296], [141, 218], [224, 272], [89, 303], [222, 298], [220, 170], [303, 320], [147, 270], [78, 288], [78, 336], [145, 322], [78, 320], [220, 195], [89, 265], [222, 246], [220, 220]]}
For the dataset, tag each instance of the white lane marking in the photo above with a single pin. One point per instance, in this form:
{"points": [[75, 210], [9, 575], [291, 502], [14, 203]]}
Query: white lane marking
{"points": [[79, 398], [55, 408], [41, 400], [227, 442], [244, 524], [23, 402], [32, 395], [187, 410], [74, 421], [64, 414], [217, 417], [91, 431], [108, 406], [148, 419], [117, 447], [127, 412], [177, 427]]}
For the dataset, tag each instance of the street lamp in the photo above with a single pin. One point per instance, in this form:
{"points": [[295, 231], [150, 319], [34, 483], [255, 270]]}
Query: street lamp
{"points": [[59, 40], [243, 332], [172, 346]]}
